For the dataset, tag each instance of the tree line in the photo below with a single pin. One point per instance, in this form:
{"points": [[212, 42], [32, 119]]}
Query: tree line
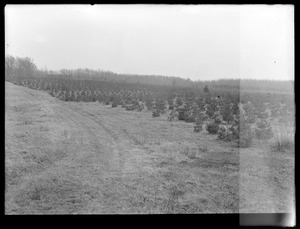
{"points": [[25, 67]]}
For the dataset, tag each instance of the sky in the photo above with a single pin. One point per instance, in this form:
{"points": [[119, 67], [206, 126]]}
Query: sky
{"points": [[200, 42]]}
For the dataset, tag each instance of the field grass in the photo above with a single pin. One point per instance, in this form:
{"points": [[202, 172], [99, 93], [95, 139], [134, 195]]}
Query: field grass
{"points": [[69, 158]]}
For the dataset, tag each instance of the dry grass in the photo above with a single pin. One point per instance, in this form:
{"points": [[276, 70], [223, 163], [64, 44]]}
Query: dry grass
{"points": [[283, 144], [267, 174], [284, 140]]}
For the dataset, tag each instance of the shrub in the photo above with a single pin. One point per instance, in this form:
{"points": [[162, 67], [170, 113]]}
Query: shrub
{"points": [[263, 130], [171, 116], [185, 114], [212, 128], [114, 104], [148, 104], [140, 107], [190, 118], [206, 90], [181, 115], [226, 113], [178, 102], [218, 120], [224, 133], [197, 128], [129, 107], [199, 122], [135, 103], [155, 114], [160, 105]]}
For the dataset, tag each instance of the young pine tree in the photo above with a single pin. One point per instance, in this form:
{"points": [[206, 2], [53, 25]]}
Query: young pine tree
{"points": [[155, 113], [263, 130], [226, 113], [244, 133], [206, 90], [199, 123]]}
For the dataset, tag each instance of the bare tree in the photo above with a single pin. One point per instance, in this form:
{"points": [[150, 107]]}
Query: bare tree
{"points": [[19, 67], [10, 64]]}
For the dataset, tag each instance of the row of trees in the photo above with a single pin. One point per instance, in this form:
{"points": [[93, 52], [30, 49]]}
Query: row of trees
{"points": [[25, 67], [19, 67]]}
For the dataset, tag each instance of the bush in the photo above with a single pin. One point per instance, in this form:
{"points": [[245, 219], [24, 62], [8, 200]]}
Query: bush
{"points": [[199, 122], [226, 113], [171, 116], [197, 128], [140, 107], [263, 130], [190, 118], [181, 114], [206, 90], [114, 104], [148, 104], [178, 102], [218, 120], [129, 107], [160, 105], [212, 128], [155, 114], [185, 114], [225, 133], [210, 111]]}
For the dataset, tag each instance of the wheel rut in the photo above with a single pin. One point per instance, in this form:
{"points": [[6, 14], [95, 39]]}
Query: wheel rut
{"points": [[99, 137]]}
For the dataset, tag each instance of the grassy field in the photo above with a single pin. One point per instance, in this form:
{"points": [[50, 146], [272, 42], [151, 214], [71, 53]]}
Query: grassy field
{"points": [[87, 158]]}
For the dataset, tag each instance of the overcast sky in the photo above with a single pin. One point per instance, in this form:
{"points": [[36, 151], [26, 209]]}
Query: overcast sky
{"points": [[203, 42]]}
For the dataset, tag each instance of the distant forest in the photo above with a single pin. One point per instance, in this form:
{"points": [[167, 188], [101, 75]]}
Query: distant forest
{"points": [[25, 67]]}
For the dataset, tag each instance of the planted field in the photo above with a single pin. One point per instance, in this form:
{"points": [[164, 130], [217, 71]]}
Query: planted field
{"points": [[64, 157]]}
